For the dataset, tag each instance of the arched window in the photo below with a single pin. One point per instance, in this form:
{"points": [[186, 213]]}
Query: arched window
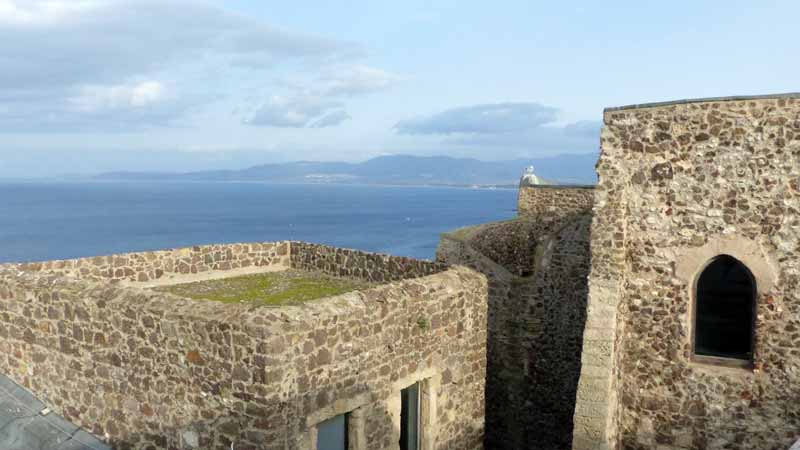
{"points": [[725, 310]]}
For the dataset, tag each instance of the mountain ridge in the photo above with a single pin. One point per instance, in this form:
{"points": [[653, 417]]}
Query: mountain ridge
{"points": [[392, 169]]}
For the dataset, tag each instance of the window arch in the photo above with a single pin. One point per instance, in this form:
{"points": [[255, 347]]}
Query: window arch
{"points": [[725, 299]]}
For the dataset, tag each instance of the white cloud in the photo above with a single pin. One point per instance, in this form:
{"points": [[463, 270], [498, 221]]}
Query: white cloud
{"points": [[526, 143], [133, 95], [331, 119], [355, 79], [297, 112], [65, 60], [518, 129], [481, 119], [320, 103], [42, 12], [147, 92], [113, 108], [584, 128]]}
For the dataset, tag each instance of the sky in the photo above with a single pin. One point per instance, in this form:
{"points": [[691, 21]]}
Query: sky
{"points": [[88, 86]]}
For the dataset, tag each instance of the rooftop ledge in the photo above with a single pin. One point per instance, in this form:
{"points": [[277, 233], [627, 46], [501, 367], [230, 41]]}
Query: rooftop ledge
{"points": [[559, 186], [255, 274], [704, 100]]}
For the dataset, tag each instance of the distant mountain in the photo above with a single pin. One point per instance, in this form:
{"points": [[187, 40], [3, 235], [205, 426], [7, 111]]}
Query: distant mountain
{"points": [[395, 169]]}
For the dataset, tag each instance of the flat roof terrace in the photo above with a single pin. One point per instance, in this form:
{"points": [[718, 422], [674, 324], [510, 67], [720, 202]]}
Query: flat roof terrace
{"points": [[272, 288], [206, 270], [128, 347]]}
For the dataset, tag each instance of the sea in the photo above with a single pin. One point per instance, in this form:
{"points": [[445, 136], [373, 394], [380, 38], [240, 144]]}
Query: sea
{"points": [[60, 220]]}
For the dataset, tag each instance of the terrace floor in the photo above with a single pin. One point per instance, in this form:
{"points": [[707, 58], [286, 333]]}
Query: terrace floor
{"points": [[273, 288]]}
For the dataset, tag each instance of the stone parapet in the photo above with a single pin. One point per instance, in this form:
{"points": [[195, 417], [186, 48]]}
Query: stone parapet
{"points": [[147, 369], [156, 265], [548, 202], [344, 262]]}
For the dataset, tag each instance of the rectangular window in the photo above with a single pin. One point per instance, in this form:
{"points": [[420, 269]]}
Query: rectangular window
{"points": [[332, 433], [410, 417]]}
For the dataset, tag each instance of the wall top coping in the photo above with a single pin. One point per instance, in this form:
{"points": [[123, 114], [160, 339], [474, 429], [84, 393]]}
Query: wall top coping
{"points": [[60, 274], [185, 251], [143, 253], [703, 100], [102, 294], [559, 186]]}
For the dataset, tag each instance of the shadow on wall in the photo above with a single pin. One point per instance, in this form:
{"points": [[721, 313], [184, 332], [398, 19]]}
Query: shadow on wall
{"points": [[153, 370], [370, 426], [537, 271], [277, 427]]}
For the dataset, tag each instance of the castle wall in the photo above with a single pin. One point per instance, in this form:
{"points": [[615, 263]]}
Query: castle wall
{"points": [[679, 184], [510, 243], [343, 262], [553, 201], [148, 369], [165, 264], [506, 390], [537, 267]]}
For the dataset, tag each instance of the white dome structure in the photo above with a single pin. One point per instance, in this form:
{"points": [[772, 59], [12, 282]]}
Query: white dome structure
{"points": [[529, 178]]}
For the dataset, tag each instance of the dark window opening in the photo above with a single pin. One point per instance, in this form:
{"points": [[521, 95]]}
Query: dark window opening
{"points": [[725, 310], [332, 433], [409, 417]]}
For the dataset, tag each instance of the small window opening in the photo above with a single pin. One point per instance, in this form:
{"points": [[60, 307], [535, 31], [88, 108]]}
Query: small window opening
{"points": [[410, 418], [725, 310], [332, 433]]}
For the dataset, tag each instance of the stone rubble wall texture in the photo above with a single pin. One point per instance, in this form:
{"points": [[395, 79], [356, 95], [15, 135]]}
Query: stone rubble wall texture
{"points": [[536, 321], [509, 243], [343, 262], [545, 201], [149, 370], [150, 266], [676, 179]]}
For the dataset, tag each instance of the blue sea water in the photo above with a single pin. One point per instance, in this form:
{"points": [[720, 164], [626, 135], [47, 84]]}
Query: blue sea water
{"points": [[58, 220]]}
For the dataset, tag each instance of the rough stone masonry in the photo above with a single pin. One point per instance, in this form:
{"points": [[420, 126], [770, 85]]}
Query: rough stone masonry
{"points": [[149, 370], [537, 266], [604, 364], [681, 183]]}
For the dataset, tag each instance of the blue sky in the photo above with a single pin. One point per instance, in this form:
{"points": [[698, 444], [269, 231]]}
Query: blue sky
{"points": [[95, 85]]}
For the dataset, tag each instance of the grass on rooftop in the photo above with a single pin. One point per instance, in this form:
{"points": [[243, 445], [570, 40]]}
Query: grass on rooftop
{"points": [[267, 289]]}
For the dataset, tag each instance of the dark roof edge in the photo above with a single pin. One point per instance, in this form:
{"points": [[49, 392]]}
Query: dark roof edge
{"points": [[703, 100]]}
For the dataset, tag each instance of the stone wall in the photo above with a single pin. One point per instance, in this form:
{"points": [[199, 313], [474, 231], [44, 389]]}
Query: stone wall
{"points": [[509, 243], [344, 262], [149, 370], [164, 265], [506, 390], [554, 201], [537, 267], [679, 184], [155, 265]]}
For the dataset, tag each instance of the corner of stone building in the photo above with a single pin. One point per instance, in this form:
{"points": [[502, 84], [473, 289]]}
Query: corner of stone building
{"points": [[595, 419], [537, 267], [657, 211]]}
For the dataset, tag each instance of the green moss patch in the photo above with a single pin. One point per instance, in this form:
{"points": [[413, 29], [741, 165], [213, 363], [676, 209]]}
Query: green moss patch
{"points": [[267, 289]]}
